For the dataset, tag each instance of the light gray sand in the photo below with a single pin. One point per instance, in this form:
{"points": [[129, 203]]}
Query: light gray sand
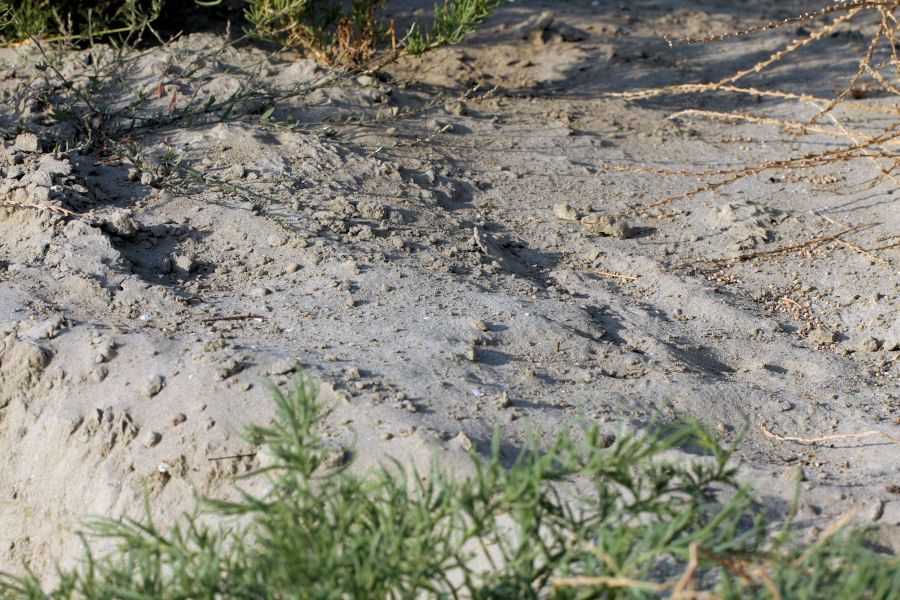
{"points": [[443, 288]]}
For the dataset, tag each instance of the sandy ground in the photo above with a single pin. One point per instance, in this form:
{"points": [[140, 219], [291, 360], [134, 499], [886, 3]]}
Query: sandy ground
{"points": [[443, 287]]}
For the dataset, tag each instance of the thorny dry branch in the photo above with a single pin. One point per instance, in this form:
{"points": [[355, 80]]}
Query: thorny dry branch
{"points": [[873, 148]]}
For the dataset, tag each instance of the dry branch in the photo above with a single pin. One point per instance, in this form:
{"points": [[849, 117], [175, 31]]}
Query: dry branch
{"points": [[826, 438]]}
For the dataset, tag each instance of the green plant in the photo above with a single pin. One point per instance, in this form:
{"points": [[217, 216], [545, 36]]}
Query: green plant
{"points": [[350, 35], [79, 20], [578, 520], [335, 33]]}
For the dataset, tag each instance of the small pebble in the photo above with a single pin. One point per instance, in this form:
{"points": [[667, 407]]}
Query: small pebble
{"points": [[869, 344], [99, 373], [185, 263], [604, 225], [282, 367], [794, 473], [259, 292], [565, 212], [820, 337], [234, 172], [465, 442], [152, 386], [27, 142], [179, 419], [479, 325], [291, 268], [151, 439], [456, 107]]}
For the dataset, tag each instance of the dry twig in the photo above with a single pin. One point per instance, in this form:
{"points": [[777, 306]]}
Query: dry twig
{"points": [[614, 275], [826, 438]]}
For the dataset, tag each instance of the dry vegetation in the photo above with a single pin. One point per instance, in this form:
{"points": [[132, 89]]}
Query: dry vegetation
{"points": [[879, 68]]}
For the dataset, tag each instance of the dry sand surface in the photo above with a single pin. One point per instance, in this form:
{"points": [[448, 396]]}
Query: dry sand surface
{"points": [[442, 288]]}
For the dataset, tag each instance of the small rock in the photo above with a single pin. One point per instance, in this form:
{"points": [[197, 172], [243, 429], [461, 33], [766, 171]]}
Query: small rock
{"points": [[54, 166], [27, 142], [471, 353], [479, 325], [820, 337], [234, 172], [151, 439], [38, 178], [386, 436], [165, 265], [152, 386], [890, 513], [892, 339], [342, 206], [351, 266], [435, 125], [335, 459], [259, 292], [565, 212], [456, 107], [464, 442], [604, 225], [366, 80], [121, 223], [283, 367], [179, 419], [99, 373], [148, 178], [502, 400], [370, 209], [104, 351], [276, 239], [40, 194], [874, 512], [229, 367], [184, 263], [794, 473], [869, 344], [291, 268]]}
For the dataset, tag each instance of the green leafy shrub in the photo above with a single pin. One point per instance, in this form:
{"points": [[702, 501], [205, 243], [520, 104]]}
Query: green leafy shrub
{"points": [[351, 35], [579, 520], [335, 31], [77, 19]]}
